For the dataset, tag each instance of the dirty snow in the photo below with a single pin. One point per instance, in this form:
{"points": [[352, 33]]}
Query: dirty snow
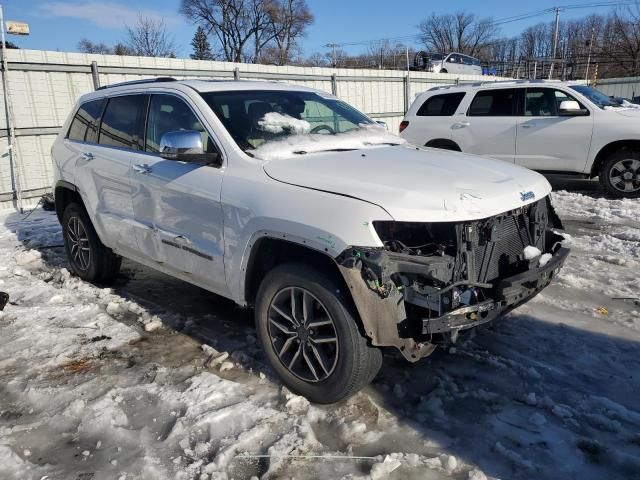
{"points": [[89, 390], [364, 137]]}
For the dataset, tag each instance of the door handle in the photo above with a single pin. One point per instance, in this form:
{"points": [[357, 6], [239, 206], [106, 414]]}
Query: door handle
{"points": [[141, 168], [459, 125], [528, 125], [182, 239], [88, 156]]}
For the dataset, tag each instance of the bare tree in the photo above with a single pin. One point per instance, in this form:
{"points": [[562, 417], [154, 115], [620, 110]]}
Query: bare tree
{"points": [[87, 46], [150, 38], [621, 40], [288, 21], [229, 20], [251, 30], [460, 32]]}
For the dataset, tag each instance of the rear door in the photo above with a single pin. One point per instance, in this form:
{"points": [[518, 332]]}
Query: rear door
{"points": [[102, 170], [548, 141], [177, 204], [489, 126]]}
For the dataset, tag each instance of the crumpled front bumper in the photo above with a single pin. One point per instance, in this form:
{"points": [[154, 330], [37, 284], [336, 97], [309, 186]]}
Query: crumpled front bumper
{"points": [[509, 293], [384, 313]]}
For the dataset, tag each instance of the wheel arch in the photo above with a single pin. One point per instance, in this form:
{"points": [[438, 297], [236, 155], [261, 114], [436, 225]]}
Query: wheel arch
{"points": [[444, 144], [609, 149], [267, 252], [65, 193]]}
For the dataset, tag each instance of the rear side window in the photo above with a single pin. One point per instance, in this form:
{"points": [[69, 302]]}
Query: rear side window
{"points": [[123, 122], [441, 105], [85, 122], [493, 103]]}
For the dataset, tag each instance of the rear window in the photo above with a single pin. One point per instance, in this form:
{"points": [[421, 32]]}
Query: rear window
{"points": [[493, 103], [123, 122], [441, 105], [86, 118]]}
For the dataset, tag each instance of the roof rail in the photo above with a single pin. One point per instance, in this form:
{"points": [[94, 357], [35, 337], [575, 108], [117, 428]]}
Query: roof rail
{"points": [[136, 82], [491, 82], [512, 82]]}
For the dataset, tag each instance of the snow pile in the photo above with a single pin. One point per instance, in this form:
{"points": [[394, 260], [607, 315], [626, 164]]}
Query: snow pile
{"points": [[364, 137], [275, 122], [530, 252], [93, 389]]}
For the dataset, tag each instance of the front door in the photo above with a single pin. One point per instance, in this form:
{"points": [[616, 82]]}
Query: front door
{"points": [[177, 204], [548, 141]]}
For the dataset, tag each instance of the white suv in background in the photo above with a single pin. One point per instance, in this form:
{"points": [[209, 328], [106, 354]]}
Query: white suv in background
{"points": [[286, 199], [453, 63], [548, 126]]}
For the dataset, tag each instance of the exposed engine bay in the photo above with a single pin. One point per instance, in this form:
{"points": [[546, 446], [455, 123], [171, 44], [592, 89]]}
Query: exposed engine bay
{"points": [[437, 279]]}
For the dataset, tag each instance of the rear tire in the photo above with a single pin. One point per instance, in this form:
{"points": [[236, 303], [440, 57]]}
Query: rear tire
{"points": [[325, 370], [88, 257], [620, 174]]}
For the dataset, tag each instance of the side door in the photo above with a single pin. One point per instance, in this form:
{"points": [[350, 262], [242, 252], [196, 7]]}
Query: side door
{"points": [[489, 126], [547, 140], [102, 170], [177, 204]]}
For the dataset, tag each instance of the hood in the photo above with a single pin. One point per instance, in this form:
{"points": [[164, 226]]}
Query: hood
{"points": [[627, 111], [416, 184]]}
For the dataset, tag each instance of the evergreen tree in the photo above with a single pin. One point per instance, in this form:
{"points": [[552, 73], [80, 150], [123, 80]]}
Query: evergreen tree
{"points": [[201, 46]]}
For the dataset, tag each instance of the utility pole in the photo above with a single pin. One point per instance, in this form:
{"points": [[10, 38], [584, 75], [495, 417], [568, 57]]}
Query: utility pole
{"points": [[586, 73], [333, 47], [407, 50], [555, 40]]}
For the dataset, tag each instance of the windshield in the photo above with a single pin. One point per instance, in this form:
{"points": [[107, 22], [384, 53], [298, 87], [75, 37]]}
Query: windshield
{"points": [[596, 96], [436, 57], [263, 120]]}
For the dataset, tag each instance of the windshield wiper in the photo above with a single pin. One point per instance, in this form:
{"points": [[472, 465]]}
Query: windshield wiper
{"points": [[304, 152]]}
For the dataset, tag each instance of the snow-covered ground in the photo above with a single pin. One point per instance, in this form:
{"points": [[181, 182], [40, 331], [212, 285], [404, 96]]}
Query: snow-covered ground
{"points": [[154, 378]]}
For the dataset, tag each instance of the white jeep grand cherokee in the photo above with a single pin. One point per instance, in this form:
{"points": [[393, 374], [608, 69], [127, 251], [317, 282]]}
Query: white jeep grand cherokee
{"points": [[286, 199], [548, 126]]}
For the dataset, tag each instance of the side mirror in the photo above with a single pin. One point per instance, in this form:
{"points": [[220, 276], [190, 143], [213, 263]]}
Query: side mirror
{"points": [[383, 124], [186, 146], [571, 108]]}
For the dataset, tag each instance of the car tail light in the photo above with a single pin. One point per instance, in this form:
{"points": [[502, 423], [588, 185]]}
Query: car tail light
{"points": [[403, 124]]}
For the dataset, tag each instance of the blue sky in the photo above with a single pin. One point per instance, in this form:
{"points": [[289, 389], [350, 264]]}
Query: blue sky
{"points": [[60, 24]]}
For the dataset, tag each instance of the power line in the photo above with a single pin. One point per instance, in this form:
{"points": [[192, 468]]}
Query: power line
{"points": [[497, 22]]}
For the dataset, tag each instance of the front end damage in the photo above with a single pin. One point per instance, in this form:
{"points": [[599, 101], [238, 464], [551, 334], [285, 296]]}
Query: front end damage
{"points": [[432, 280]]}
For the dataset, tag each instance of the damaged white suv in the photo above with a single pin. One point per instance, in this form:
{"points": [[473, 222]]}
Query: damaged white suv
{"points": [[340, 236]]}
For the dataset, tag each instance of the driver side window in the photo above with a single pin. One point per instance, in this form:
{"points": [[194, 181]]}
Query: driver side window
{"points": [[168, 113]]}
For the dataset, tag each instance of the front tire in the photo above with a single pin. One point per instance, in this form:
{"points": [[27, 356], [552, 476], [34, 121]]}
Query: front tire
{"points": [[310, 336], [88, 257], [620, 174]]}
